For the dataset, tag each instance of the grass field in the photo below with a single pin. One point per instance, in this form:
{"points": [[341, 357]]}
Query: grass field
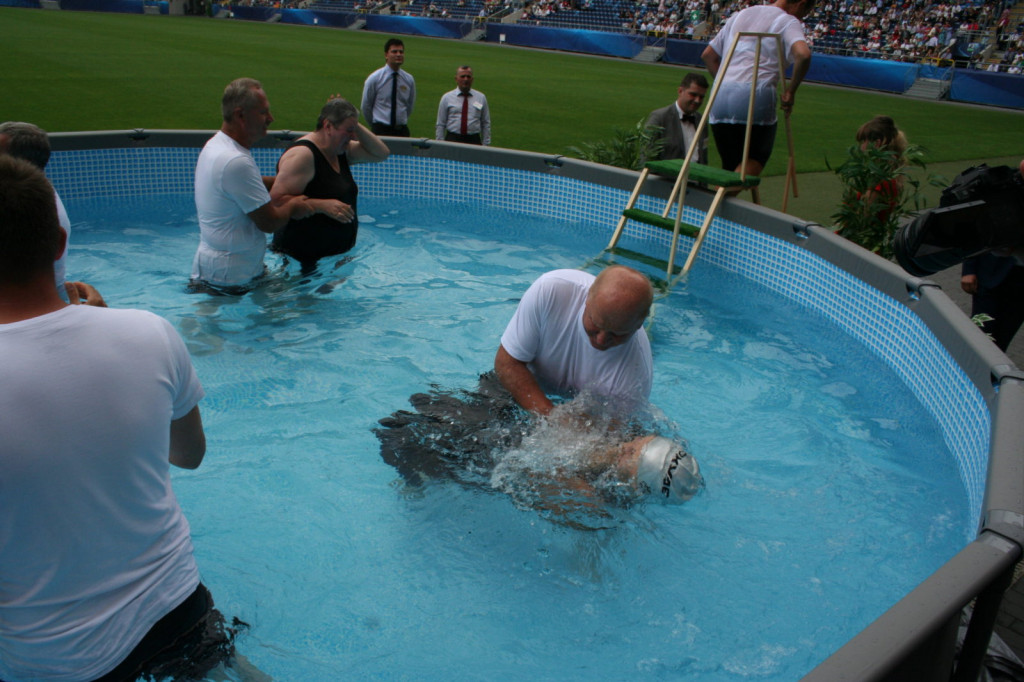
{"points": [[69, 71]]}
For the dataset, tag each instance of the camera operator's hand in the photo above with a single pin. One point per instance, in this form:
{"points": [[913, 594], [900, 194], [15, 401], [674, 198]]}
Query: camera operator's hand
{"points": [[969, 283]]}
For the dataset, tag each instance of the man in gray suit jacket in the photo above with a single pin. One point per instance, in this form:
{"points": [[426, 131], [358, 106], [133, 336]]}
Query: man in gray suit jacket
{"points": [[678, 121]]}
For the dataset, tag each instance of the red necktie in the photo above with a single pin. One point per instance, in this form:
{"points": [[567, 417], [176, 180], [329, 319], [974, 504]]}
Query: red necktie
{"points": [[465, 113]]}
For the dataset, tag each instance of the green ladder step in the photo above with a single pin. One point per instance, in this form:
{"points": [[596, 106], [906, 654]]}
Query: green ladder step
{"points": [[664, 223], [701, 173]]}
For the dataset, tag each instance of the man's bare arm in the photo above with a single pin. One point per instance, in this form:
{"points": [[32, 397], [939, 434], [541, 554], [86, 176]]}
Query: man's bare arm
{"points": [[188, 440], [518, 380]]}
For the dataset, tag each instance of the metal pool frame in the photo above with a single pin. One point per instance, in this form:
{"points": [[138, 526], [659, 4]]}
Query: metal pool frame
{"points": [[914, 639]]}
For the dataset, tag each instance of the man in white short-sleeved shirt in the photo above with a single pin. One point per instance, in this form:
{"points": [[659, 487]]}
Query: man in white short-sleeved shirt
{"points": [[730, 110], [30, 142], [233, 201], [99, 403], [573, 332]]}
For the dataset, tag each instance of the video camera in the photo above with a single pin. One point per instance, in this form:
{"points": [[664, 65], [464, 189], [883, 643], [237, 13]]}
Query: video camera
{"points": [[983, 209]]}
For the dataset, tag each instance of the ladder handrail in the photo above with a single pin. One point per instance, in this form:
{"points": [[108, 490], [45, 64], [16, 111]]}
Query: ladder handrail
{"points": [[678, 193]]}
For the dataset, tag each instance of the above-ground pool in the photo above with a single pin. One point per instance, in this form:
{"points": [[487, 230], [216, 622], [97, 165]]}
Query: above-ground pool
{"points": [[845, 449]]}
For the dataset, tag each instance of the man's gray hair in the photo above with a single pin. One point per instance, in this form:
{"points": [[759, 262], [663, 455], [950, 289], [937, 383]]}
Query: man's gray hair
{"points": [[336, 110], [240, 92], [27, 141]]}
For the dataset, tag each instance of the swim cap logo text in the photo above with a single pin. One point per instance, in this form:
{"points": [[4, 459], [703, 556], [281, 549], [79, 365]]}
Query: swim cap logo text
{"points": [[666, 482]]}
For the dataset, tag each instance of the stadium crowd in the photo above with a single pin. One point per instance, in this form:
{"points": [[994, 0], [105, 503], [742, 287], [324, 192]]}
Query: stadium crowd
{"points": [[982, 35], [907, 30]]}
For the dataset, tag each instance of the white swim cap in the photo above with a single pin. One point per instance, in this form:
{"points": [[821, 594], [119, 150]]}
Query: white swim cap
{"points": [[669, 471]]}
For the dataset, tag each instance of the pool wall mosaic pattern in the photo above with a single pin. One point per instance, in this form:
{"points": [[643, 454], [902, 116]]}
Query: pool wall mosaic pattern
{"points": [[890, 329]]}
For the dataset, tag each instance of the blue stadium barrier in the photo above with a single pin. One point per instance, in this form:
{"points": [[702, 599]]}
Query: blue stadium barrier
{"points": [[570, 40], [121, 6], [857, 72], [985, 87], [246, 13], [418, 26], [937, 72], [309, 17], [685, 52]]}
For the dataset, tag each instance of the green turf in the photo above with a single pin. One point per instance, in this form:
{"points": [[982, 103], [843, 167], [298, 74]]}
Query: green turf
{"points": [[70, 71]]}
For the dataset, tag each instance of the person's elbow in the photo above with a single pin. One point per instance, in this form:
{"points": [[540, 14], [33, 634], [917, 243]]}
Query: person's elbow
{"points": [[188, 441], [269, 217], [802, 54], [275, 214], [710, 58]]}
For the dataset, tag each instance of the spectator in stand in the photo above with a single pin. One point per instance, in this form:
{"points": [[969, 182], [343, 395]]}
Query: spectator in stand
{"points": [[678, 121], [730, 109], [902, 31], [463, 115], [389, 93]]}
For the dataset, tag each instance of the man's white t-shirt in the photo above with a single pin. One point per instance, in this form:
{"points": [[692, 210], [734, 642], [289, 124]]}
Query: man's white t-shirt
{"points": [[94, 548], [733, 99], [228, 187], [547, 333], [60, 265]]}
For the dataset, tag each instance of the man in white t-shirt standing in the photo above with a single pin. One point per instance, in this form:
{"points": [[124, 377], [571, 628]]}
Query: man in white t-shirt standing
{"points": [[98, 575], [573, 332], [31, 143], [731, 108], [233, 199]]}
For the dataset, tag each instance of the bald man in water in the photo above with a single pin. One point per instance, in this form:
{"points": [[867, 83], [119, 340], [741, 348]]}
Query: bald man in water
{"points": [[573, 332]]}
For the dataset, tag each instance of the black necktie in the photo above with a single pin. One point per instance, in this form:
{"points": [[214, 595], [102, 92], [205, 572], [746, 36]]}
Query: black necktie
{"points": [[690, 118], [394, 98]]}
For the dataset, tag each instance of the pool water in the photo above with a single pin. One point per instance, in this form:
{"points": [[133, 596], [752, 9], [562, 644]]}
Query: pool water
{"points": [[830, 493]]}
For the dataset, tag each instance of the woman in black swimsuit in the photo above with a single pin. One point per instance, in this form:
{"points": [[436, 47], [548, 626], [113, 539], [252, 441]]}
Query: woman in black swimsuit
{"points": [[317, 165]]}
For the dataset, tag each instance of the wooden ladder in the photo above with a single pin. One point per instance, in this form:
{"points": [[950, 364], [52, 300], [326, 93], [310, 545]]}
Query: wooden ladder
{"points": [[684, 169]]}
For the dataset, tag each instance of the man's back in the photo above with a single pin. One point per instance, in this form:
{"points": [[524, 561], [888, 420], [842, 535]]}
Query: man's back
{"points": [[757, 19], [94, 546], [228, 187]]}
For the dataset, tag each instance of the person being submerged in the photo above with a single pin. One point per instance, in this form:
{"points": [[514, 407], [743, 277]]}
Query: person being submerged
{"points": [[561, 464], [656, 466]]}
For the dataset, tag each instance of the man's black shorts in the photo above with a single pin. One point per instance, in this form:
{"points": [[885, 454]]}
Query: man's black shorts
{"points": [[187, 643], [729, 142]]}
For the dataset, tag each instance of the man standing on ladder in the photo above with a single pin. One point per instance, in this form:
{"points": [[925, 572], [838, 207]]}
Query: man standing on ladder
{"points": [[730, 108]]}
